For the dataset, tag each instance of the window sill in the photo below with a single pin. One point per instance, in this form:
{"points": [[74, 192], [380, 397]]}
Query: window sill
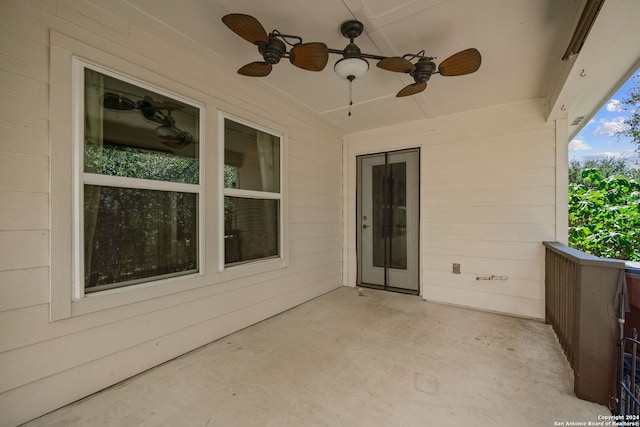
{"points": [[146, 292]]}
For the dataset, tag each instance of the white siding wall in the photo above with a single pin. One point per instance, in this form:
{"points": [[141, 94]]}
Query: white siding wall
{"points": [[43, 364], [488, 200]]}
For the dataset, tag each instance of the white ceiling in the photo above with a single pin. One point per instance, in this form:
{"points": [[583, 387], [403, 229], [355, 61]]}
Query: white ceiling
{"points": [[521, 42]]}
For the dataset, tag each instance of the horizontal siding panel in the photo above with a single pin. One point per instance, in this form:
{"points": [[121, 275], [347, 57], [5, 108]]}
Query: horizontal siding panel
{"points": [[30, 325], [506, 145], [21, 172], [91, 17], [19, 18], [312, 140], [491, 232], [485, 266], [23, 211], [527, 159], [309, 261], [524, 251], [491, 215], [299, 231], [300, 167], [513, 119], [463, 180], [17, 87], [310, 246], [316, 154], [25, 364], [24, 249], [79, 381], [23, 57], [20, 133], [521, 288], [23, 288], [314, 185], [526, 307], [26, 325], [541, 196], [304, 199], [312, 216], [308, 131], [121, 307]]}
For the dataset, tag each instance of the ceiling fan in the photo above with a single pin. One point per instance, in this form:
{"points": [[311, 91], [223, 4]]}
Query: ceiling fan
{"points": [[272, 47], [314, 56], [461, 63], [153, 111]]}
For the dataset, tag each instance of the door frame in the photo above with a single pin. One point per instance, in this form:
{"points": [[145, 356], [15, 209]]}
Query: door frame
{"points": [[358, 232]]}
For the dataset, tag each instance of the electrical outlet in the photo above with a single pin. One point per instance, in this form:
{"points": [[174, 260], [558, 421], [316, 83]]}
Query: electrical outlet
{"points": [[456, 268]]}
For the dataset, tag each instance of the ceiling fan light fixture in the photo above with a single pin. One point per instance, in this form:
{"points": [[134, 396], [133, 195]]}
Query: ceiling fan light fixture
{"points": [[167, 132], [351, 68]]}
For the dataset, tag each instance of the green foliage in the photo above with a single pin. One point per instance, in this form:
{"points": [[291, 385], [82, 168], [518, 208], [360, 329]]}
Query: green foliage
{"points": [[604, 215], [607, 167], [230, 181], [138, 163]]}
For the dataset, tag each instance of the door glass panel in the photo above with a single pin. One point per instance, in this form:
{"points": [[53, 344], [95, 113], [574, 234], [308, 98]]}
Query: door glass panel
{"points": [[397, 211], [379, 215]]}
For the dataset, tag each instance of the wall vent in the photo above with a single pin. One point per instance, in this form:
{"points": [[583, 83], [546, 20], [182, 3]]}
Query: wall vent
{"points": [[577, 120]]}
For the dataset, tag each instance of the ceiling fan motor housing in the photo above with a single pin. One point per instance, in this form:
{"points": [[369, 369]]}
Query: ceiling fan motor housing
{"points": [[424, 70], [273, 51]]}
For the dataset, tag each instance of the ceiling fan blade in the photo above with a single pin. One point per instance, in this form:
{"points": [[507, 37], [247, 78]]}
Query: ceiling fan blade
{"points": [[412, 89], [256, 69], [309, 56], [464, 62], [247, 27], [396, 64]]}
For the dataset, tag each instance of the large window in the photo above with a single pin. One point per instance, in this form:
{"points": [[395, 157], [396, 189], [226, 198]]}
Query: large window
{"points": [[252, 194], [138, 183]]}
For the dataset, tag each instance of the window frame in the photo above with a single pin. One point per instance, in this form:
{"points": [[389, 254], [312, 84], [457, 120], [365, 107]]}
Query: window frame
{"points": [[80, 178], [280, 259], [146, 296]]}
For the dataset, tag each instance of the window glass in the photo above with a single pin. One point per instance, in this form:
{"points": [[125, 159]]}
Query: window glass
{"points": [[138, 133], [131, 235], [133, 231], [252, 202], [251, 229], [255, 155]]}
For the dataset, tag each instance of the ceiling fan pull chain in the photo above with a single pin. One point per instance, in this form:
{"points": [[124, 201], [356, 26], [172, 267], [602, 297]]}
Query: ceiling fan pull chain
{"points": [[350, 97]]}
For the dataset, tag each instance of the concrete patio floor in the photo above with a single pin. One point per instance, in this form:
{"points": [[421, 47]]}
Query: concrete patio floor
{"points": [[344, 359]]}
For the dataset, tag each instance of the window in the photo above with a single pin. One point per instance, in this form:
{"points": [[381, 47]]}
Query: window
{"points": [[138, 183], [252, 194]]}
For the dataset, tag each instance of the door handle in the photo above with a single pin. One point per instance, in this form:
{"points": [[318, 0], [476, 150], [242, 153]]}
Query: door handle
{"points": [[365, 226]]}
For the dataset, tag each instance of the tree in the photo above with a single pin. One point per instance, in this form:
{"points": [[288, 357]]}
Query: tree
{"points": [[604, 215], [607, 167], [632, 105]]}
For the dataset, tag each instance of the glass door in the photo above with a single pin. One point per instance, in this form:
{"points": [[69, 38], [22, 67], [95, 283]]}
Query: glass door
{"points": [[388, 220]]}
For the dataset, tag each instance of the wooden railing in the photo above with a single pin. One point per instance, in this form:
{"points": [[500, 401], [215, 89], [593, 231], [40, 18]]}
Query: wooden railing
{"points": [[580, 293]]}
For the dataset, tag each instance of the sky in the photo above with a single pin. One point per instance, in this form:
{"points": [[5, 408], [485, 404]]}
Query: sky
{"points": [[598, 139]]}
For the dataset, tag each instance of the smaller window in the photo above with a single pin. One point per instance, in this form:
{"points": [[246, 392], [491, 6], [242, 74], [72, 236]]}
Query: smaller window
{"points": [[252, 194]]}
